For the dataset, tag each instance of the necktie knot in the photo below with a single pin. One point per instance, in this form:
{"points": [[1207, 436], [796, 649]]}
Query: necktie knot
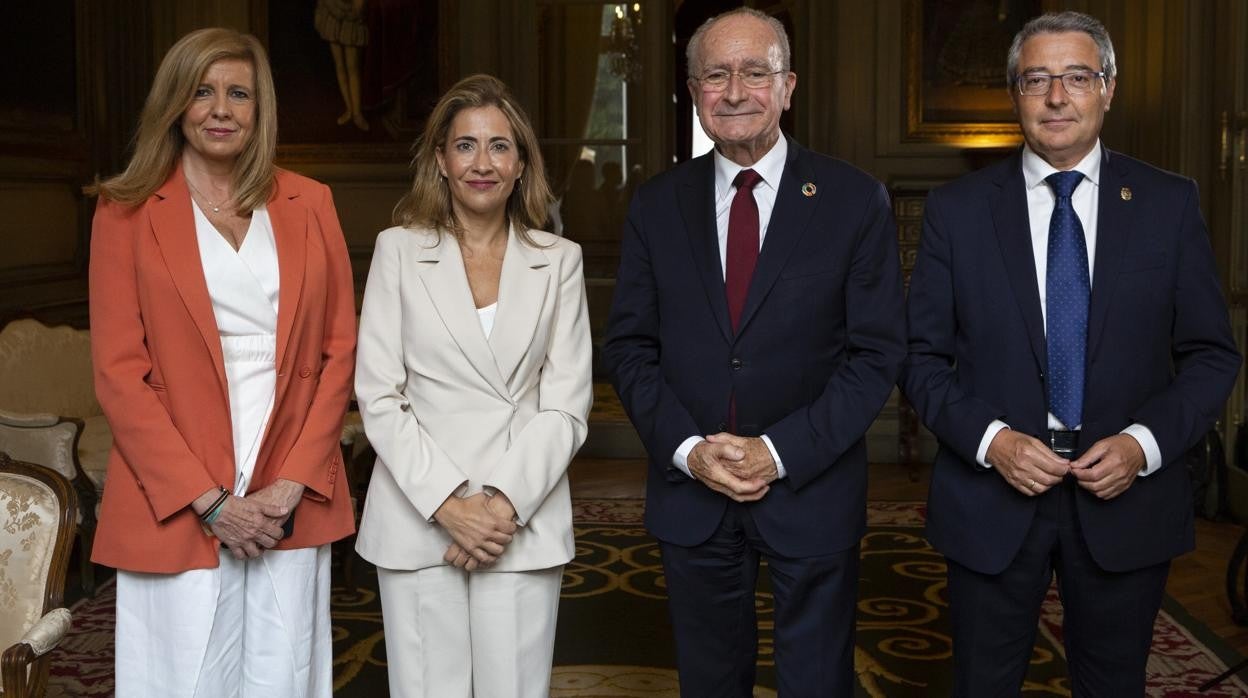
{"points": [[746, 179], [1064, 183]]}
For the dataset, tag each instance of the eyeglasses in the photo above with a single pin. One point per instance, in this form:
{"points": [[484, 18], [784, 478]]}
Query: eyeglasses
{"points": [[1077, 82], [753, 78]]}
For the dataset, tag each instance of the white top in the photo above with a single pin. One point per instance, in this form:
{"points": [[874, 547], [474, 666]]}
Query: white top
{"points": [[486, 316], [770, 168], [243, 285], [1040, 203]]}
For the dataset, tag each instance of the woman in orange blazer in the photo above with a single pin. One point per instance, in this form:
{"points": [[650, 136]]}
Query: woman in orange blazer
{"points": [[223, 337]]}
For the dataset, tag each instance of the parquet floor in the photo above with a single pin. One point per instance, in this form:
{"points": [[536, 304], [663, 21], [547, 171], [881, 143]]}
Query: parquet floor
{"points": [[1197, 580]]}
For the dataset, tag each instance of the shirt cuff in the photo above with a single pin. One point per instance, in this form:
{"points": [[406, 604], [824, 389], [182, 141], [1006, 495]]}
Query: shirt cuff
{"points": [[780, 472], [982, 454], [1148, 443], [680, 459]]}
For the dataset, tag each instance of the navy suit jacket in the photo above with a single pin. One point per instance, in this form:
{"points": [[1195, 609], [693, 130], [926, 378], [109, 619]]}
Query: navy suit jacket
{"points": [[1160, 353], [820, 342]]}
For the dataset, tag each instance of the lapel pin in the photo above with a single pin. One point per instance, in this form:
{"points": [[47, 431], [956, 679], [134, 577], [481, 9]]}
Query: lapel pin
{"points": [[1126, 193], [808, 189]]}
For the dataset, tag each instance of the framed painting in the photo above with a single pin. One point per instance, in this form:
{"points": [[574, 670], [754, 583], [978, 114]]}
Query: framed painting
{"points": [[954, 64], [355, 79]]}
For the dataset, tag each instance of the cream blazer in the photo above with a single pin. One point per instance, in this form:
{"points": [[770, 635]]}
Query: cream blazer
{"points": [[450, 412]]}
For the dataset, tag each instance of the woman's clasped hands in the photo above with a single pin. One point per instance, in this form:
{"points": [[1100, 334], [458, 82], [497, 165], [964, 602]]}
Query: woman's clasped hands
{"points": [[480, 525], [250, 525]]}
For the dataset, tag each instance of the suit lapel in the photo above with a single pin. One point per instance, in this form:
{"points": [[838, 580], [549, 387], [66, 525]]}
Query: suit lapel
{"points": [[173, 225], [696, 199], [789, 218], [1113, 223], [290, 231], [446, 281], [1009, 217], [521, 296]]}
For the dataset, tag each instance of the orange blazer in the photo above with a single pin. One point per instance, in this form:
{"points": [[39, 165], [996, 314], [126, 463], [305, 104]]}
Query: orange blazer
{"points": [[160, 378]]}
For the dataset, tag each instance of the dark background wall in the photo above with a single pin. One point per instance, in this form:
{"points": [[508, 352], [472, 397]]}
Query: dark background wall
{"points": [[603, 93]]}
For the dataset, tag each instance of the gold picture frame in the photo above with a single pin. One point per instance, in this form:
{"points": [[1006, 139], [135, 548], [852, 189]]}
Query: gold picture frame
{"points": [[954, 69]]}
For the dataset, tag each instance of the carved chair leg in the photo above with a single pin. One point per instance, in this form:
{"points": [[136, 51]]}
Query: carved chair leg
{"points": [[87, 499], [86, 540]]}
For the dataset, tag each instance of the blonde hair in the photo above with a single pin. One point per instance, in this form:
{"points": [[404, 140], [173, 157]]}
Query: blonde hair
{"points": [[428, 203], [158, 142]]}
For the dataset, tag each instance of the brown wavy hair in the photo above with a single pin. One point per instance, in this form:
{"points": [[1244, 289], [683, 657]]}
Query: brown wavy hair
{"points": [[428, 203], [158, 142]]}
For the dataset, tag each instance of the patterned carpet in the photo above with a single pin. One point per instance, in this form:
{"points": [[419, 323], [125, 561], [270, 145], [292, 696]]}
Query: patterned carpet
{"points": [[614, 639]]}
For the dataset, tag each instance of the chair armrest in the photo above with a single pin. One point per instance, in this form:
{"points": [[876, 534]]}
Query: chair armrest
{"points": [[49, 631], [38, 641], [14, 665]]}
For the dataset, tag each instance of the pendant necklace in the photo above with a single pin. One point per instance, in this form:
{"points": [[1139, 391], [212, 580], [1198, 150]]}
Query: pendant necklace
{"points": [[215, 207]]}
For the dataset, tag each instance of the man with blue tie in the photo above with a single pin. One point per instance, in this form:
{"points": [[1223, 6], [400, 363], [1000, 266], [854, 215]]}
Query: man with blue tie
{"points": [[1068, 343], [756, 331]]}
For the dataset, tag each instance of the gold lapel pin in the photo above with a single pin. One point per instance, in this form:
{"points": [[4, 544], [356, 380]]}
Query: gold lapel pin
{"points": [[1126, 193], [808, 189]]}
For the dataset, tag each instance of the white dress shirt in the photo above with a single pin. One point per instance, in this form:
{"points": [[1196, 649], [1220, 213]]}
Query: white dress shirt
{"points": [[1040, 203], [770, 167]]}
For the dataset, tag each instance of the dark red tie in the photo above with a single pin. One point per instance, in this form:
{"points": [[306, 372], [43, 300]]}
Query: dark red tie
{"points": [[741, 256], [742, 246]]}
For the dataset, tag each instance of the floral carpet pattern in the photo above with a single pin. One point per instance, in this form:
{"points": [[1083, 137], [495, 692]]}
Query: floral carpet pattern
{"points": [[614, 639]]}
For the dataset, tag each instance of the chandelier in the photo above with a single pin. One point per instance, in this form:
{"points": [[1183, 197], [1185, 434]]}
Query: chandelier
{"points": [[623, 49]]}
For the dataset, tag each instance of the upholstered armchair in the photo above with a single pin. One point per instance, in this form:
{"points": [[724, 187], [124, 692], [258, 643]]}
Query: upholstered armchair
{"points": [[37, 510], [52, 442], [47, 370]]}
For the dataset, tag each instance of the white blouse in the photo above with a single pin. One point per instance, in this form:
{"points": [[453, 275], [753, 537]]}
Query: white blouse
{"points": [[244, 285], [486, 316]]}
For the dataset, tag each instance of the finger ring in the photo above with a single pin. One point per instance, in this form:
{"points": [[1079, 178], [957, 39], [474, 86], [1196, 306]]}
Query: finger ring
{"points": [[1031, 484]]}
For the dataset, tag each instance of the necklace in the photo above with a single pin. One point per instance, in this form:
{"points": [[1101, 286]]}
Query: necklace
{"points": [[216, 208]]}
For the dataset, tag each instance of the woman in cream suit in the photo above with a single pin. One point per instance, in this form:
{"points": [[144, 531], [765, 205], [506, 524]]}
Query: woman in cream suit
{"points": [[473, 379]]}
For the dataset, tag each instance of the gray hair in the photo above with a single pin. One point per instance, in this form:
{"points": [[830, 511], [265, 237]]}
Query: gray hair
{"points": [[693, 52], [1058, 23]]}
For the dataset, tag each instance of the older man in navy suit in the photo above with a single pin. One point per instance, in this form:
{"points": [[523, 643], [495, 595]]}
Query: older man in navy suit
{"points": [[756, 332], [1068, 343]]}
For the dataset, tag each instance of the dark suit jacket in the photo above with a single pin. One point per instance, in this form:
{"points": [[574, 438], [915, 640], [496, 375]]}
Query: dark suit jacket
{"points": [[1160, 353], [820, 341]]}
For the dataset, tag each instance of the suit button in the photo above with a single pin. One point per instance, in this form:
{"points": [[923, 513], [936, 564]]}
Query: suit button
{"points": [[737, 364], [305, 372], [722, 426]]}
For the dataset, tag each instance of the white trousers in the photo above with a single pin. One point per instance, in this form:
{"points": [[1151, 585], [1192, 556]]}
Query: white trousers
{"points": [[455, 634], [250, 628]]}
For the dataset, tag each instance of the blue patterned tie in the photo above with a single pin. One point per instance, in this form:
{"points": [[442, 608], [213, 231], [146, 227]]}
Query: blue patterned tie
{"points": [[1067, 290]]}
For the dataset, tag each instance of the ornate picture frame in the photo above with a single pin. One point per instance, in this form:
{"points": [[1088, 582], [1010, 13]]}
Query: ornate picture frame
{"points": [[953, 60], [355, 79]]}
